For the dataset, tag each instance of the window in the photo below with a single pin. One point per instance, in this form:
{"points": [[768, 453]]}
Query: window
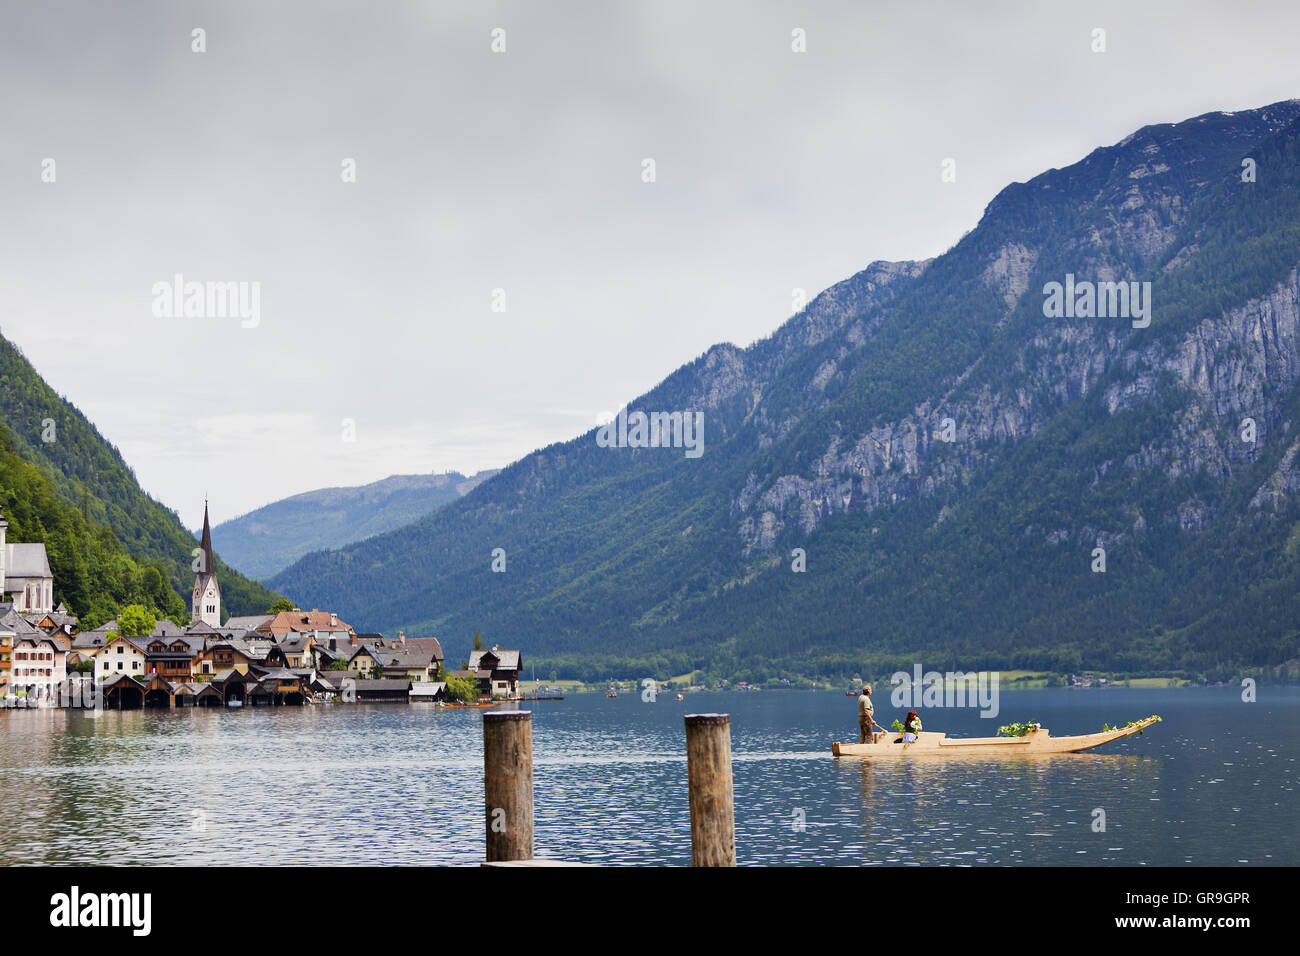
{"points": [[120, 648]]}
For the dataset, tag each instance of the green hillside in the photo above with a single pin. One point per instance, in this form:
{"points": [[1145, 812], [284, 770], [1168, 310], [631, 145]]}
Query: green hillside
{"points": [[85, 476]]}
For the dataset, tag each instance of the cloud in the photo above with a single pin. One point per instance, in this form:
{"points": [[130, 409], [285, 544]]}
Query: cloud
{"points": [[521, 172]]}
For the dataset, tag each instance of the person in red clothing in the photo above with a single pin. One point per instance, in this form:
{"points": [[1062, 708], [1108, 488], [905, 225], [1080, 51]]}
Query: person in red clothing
{"points": [[911, 727]]}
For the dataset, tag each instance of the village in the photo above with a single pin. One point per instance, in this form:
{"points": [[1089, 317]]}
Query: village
{"points": [[287, 658]]}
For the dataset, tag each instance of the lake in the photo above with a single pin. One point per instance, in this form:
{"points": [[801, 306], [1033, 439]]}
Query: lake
{"points": [[1214, 784]]}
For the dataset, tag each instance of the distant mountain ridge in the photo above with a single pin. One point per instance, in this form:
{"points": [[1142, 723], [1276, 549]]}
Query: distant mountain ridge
{"points": [[268, 540], [963, 479]]}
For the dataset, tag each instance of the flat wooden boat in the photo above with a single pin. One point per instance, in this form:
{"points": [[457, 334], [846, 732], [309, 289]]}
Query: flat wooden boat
{"points": [[1039, 741]]}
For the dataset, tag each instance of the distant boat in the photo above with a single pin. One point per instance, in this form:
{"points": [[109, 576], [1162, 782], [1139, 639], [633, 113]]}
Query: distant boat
{"points": [[1038, 741], [611, 692], [234, 703], [680, 697]]}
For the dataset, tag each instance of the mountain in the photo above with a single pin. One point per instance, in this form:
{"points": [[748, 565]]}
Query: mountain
{"points": [[102, 532], [271, 538], [1069, 434]]}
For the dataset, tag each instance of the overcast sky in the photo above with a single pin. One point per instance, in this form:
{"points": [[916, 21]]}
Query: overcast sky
{"points": [[519, 171]]}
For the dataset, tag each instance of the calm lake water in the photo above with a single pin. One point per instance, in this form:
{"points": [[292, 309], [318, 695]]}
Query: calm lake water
{"points": [[1215, 783]]}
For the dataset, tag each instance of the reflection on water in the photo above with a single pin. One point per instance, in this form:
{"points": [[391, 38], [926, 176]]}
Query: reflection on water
{"points": [[384, 784]]}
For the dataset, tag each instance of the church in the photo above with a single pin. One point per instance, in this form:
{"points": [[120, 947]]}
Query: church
{"points": [[25, 575], [206, 605]]}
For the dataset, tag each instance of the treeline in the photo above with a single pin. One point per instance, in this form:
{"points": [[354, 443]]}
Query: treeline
{"points": [[94, 575]]}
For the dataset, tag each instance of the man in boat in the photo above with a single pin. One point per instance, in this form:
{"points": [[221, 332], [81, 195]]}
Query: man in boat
{"points": [[866, 716]]}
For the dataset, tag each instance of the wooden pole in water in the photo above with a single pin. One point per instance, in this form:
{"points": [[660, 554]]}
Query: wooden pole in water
{"points": [[708, 773], [508, 784]]}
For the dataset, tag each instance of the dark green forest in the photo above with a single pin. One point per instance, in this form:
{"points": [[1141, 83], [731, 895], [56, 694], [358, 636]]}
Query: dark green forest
{"points": [[107, 540]]}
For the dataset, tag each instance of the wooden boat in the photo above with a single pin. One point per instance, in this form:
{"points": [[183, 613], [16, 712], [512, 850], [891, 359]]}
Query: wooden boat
{"points": [[1041, 741]]}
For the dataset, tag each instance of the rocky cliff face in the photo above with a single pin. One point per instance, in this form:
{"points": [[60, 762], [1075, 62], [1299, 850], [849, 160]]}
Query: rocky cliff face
{"points": [[1236, 364]]}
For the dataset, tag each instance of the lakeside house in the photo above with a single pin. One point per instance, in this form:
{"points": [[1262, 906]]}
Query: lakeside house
{"points": [[416, 660], [121, 656], [39, 664], [497, 671]]}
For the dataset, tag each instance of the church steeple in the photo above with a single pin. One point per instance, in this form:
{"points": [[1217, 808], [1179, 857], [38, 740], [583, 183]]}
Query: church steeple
{"points": [[209, 563], [206, 606]]}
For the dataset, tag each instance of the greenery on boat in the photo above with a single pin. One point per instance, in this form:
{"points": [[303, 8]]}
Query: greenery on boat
{"points": [[1107, 728], [1017, 730]]}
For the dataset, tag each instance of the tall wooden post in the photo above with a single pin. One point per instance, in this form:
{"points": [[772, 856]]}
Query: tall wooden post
{"points": [[508, 784], [708, 773]]}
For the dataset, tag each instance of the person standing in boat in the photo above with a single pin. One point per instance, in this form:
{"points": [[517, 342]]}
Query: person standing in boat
{"points": [[866, 716]]}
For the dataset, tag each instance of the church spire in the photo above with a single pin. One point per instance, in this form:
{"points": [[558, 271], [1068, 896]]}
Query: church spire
{"points": [[209, 562]]}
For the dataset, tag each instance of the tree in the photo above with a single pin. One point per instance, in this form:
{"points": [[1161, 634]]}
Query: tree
{"points": [[462, 689], [135, 620], [478, 642], [281, 604]]}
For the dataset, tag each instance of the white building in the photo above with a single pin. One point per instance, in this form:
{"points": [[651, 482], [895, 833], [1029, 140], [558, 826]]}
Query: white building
{"points": [[121, 655], [25, 576], [40, 664]]}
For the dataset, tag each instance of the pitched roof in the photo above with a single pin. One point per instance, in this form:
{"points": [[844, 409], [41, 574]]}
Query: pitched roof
{"points": [[506, 660], [27, 561], [430, 645], [296, 620], [18, 625], [92, 639], [408, 659], [295, 643], [279, 673], [384, 684], [250, 623], [334, 679]]}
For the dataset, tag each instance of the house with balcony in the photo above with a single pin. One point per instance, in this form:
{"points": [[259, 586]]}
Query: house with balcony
{"points": [[172, 657], [497, 671]]}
